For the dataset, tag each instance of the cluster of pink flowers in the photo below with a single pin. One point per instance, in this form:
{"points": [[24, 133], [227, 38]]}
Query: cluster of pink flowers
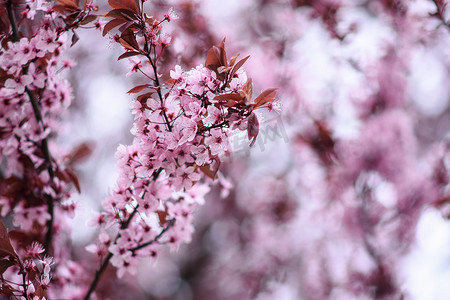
{"points": [[38, 268], [36, 178], [33, 98], [31, 67], [177, 139]]}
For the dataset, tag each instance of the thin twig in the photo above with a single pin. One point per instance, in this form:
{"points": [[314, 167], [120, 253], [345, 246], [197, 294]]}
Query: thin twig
{"points": [[156, 80], [99, 272], [170, 224]]}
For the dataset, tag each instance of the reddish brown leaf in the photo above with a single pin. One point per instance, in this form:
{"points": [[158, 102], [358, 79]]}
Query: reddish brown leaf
{"points": [[121, 14], [138, 5], [88, 19], [41, 292], [6, 263], [213, 58], [59, 8], [233, 59], [128, 54], [73, 177], [75, 39], [252, 128], [129, 37], [229, 96], [171, 81], [81, 152], [112, 24], [223, 54], [126, 44], [247, 89], [138, 88], [62, 175], [223, 57], [211, 173], [238, 66], [13, 186], [265, 97], [69, 4], [162, 216], [6, 249], [124, 4], [143, 98]]}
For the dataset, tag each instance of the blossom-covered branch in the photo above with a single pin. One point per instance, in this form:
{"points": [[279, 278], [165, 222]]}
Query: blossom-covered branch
{"points": [[181, 133], [37, 181]]}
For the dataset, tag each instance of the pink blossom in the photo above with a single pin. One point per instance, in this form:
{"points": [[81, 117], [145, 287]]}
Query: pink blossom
{"points": [[19, 83], [185, 130], [25, 217], [214, 115], [24, 52], [177, 74], [217, 141], [185, 177], [46, 41]]}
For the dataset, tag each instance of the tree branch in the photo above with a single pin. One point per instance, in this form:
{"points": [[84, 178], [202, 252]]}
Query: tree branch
{"points": [[170, 224], [44, 144], [99, 272]]}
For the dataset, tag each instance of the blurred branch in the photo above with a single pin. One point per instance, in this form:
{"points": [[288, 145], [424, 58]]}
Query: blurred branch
{"points": [[440, 6], [44, 145]]}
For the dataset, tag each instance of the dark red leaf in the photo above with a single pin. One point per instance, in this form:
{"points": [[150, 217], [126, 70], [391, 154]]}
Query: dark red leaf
{"points": [[6, 263], [223, 54], [6, 249], [88, 19], [138, 88], [126, 44], [143, 98], [112, 24], [238, 66], [213, 59], [233, 59], [121, 14], [75, 39], [81, 152], [69, 4], [59, 8], [223, 57], [171, 81], [265, 97], [247, 89], [62, 176], [210, 171], [138, 5], [124, 4], [73, 177], [129, 37], [162, 216], [229, 96], [41, 292], [128, 54], [252, 128]]}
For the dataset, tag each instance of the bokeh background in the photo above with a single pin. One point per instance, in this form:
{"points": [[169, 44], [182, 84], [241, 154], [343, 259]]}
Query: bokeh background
{"points": [[344, 195]]}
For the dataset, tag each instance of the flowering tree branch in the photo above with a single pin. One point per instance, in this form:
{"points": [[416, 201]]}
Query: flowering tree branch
{"points": [[163, 169], [44, 142]]}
